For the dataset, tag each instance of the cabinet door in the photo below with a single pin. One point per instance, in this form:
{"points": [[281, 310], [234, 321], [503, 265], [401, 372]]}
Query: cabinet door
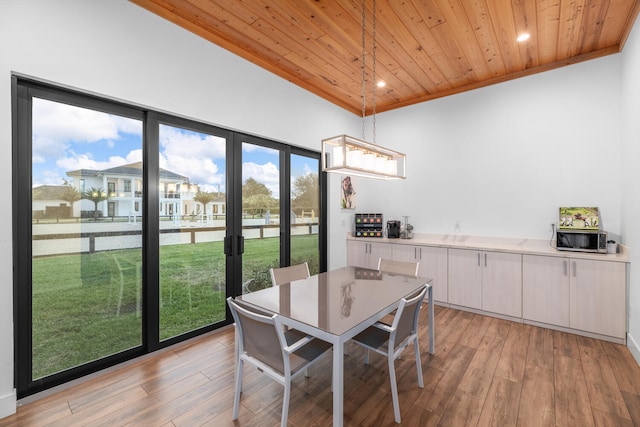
{"points": [[366, 254], [465, 278], [545, 289], [433, 264], [357, 253], [377, 251], [598, 295], [502, 283]]}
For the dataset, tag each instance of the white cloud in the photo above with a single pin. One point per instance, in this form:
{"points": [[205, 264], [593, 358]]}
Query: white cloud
{"points": [[49, 177], [62, 122], [266, 174], [59, 130], [194, 155], [84, 161], [134, 156], [45, 148]]}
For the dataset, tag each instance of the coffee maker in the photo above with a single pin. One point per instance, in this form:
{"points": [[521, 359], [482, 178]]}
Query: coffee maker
{"points": [[393, 229]]}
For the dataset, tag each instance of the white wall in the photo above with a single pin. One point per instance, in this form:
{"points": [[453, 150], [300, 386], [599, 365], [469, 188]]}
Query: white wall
{"points": [[117, 49], [501, 160], [631, 179]]}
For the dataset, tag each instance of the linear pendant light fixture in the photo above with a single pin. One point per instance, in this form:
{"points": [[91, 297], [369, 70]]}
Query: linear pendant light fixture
{"points": [[352, 156]]}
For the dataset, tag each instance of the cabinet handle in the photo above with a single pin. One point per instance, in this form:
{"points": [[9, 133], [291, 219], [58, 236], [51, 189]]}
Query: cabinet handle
{"points": [[565, 267], [485, 260], [575, 269], [415, 253], [478, 259], [420, 253]]}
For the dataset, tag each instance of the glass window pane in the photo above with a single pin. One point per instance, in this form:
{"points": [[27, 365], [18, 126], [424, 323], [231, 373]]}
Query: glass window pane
{"points": [[192, 194], [305, 212], [86, 250], [260, 215]]}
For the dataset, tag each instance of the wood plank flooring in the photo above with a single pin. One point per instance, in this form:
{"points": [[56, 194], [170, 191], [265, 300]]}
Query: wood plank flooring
{"points": [[485, 372]]}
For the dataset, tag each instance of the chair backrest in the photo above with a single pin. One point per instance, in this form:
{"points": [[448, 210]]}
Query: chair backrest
{"points": [[259, 335], [405, 321], [404, 268], [289, 274]]}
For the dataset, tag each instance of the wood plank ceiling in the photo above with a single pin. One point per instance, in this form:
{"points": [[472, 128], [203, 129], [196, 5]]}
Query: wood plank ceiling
{"points": [[426, 49]]}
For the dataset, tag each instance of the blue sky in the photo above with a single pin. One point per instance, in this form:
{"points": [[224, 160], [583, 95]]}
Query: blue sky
{"points": [[68, 138]]}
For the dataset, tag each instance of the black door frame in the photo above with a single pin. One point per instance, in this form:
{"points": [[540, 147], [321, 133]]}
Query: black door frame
{"points": [[23, 89]]}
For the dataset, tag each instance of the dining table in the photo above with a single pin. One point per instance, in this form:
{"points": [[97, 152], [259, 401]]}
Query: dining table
{"points": [[336, 305]]}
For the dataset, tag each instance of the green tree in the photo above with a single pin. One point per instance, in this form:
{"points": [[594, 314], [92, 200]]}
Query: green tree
{"points": [[96, 195], [205, 198], [305, 193], [251, 187], [70, 195], [257, 197], [259, 203]]}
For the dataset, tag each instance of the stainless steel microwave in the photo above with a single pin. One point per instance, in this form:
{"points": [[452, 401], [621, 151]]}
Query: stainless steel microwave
{"points": [[594, 241]]}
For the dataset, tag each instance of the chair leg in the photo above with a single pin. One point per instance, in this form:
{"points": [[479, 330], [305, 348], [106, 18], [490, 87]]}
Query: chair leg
{"points": [[285, 402], [366, 356], [394, 390], [418, 363], [236, 399]]}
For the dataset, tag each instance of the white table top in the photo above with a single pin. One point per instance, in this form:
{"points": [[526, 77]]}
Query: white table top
{"points": [[338, 300]]}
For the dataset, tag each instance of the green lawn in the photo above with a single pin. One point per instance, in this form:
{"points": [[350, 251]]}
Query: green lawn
{"points": [[79, 316]]}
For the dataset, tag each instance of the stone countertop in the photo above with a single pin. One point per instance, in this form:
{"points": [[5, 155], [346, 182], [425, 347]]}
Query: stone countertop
{"points": [[497, 244]]}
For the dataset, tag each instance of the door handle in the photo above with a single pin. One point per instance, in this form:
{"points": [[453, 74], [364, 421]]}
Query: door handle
{"points": [[228, 242], [240, 245]]}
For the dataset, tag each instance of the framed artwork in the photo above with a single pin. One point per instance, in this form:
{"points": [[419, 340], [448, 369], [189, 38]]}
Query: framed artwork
{"points": [[347, 193], [582, 218]]}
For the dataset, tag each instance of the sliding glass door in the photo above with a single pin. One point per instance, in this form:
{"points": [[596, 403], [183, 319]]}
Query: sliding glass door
{"points": [[306, 212], [260, 214], [80, 260], [132, 227], [192, 226]]}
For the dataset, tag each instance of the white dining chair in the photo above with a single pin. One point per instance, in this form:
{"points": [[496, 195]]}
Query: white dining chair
{"points": [[406, 268], [289, 274], [279, 353], [391, 340]]}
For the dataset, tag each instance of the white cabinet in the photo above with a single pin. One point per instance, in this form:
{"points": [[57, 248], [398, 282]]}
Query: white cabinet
{"points": [[433, 264], [366, 254], [545, 289], [598, 297], [570, 291], [465, 278], [485, 280], [502, 283], [588, 295]]}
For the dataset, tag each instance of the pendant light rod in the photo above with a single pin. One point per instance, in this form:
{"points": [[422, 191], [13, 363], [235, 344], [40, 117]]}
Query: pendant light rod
{"points": [[351, 156], [363, 67], [373, 72]]}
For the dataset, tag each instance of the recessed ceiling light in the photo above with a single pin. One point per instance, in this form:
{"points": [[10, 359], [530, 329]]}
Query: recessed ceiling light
{"points": [[381, 83], [523, 37]]}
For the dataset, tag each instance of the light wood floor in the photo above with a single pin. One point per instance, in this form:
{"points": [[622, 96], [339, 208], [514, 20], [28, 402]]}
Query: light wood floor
{"points": [[486, 371]]}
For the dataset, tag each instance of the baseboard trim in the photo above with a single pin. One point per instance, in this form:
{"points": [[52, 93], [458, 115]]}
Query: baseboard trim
{"points": [[8, 404], [633, 348]]}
